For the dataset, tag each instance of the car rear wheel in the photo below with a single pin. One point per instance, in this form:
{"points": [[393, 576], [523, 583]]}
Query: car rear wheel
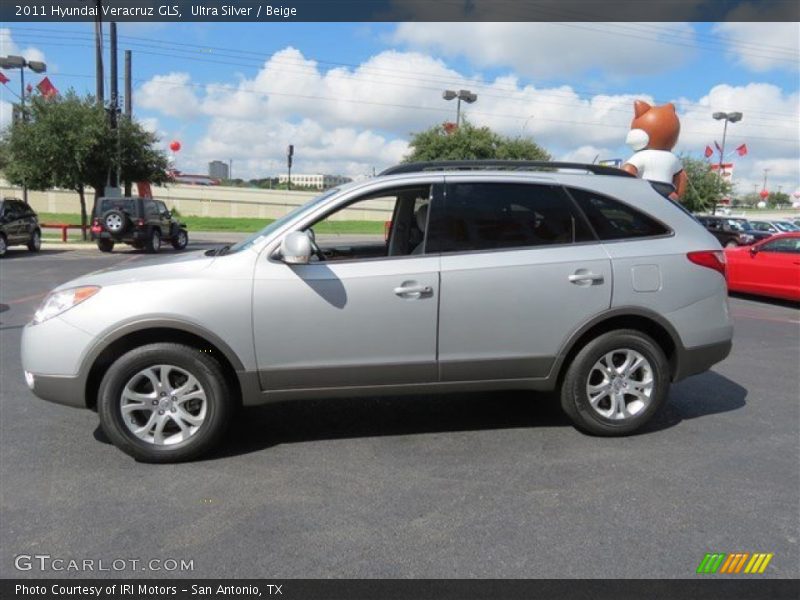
{"points": [[35, 243], [154, 242], [180, 239], [105, 245], [616, 383], [3, 245], [164, 403]]}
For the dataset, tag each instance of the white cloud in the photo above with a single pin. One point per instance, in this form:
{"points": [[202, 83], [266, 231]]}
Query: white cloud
{"points": [[762, 46], [170, 95], [350, 119], [8, 46], [547, 49]]}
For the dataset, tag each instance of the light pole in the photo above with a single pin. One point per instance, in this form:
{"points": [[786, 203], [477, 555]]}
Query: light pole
{"points": [[464, 95], [19, 62], [732, 117]]}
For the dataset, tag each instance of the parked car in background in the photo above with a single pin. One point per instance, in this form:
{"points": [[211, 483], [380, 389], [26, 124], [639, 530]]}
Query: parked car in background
{"points": [[773, 227], [19, 226], [795, 220], [143, 223], [767, 268], [496, 275], [731, 231]]}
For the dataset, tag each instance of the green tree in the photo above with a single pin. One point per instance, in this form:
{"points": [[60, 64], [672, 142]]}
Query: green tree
{"points": [[67, 142], [776, 199], [704, 188], [469, 142]]}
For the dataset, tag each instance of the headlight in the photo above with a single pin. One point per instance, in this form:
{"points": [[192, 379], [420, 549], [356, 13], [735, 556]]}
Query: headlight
{"points": [[58, 302]]}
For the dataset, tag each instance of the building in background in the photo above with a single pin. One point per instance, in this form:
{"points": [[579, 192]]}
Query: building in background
{"points": [[317, 181], [218, 169]]}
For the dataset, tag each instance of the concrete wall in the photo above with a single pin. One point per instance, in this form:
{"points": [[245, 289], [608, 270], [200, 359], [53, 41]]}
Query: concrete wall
{"points": [[209, 201]]}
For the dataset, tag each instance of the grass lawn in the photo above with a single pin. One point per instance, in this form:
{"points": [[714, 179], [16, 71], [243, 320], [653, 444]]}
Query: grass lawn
{"points": [[240, 225]]}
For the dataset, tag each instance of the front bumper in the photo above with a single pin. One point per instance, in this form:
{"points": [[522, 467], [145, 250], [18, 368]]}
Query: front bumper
{"points": [[69, 391]]}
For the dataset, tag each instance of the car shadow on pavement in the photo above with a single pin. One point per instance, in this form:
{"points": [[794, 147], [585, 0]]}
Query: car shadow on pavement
{"points": [[766, 300], [259, 428], [23, 252]]}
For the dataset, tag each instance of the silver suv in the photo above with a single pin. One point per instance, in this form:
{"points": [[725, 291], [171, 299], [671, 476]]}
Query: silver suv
{"points": [[492, 275]]}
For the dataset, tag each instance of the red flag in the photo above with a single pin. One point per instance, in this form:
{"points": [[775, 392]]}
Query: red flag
{"points": [[742, 150], [46, 88], [3, 79], [708, 152]]}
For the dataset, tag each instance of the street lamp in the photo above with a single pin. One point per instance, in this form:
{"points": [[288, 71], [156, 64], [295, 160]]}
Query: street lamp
{"points": [[464, 95], [19, 62], [731, 117]]}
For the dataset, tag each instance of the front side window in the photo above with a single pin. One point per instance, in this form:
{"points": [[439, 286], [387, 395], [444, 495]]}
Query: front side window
{"points": [[790, 245], [491, 216], [615, 220], [391, 222]]}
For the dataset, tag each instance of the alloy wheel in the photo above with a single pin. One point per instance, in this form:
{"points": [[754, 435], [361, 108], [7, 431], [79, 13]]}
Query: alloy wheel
{"points": [[620, 384], [163, 405]]}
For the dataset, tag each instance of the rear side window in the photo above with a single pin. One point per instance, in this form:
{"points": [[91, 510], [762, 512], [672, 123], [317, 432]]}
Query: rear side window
{"points": [[614, 220], [489, 216]]}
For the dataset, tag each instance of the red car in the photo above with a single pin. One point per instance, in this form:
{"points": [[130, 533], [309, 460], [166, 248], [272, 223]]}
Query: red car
{"points": [[770, 267]]}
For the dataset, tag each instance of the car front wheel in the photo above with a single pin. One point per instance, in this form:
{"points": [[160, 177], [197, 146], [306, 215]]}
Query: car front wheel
{"points": [[164, 403], [3, 245], [180, 239], [616, 383], [35, 243]]}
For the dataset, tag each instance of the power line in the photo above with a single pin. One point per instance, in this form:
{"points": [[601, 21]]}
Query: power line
{"points": [[393, 73], [542, 93]]}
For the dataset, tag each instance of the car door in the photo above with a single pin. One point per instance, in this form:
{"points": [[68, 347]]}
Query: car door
{"points": [[164, 217], [347, 322], [519, 273], [775, 268], [15, 224]]}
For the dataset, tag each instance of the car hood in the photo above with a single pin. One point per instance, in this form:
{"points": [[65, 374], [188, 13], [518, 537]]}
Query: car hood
{"points": [[138, 268]]}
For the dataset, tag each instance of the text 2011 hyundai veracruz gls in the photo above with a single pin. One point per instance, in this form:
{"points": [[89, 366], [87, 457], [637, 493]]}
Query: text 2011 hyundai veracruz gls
{"points": [[591, 283]]}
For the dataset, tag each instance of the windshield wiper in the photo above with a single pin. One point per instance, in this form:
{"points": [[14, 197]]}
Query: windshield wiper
{"points": [[218, 251]]}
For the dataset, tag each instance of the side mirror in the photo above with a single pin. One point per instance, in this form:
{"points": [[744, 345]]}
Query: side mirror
{"points": [[296, 248], [753, 250]]}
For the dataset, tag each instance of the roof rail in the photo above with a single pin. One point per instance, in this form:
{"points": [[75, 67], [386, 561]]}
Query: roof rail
{"points": [[512, 165]]}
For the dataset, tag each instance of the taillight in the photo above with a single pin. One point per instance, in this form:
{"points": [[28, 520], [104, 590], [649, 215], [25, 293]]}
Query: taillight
{"points": [[96, 227], [140, 223], [713, 259]]}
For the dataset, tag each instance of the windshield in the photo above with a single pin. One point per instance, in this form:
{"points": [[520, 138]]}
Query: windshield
{"points": [[738, 225], [277, 224], [786, 226], [124, 204]]}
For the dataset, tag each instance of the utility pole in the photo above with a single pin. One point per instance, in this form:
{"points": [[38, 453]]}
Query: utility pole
{"points": [[289, 155], [765, 179], [112, 112], [98, 55], [128, 104], [230, 168]]}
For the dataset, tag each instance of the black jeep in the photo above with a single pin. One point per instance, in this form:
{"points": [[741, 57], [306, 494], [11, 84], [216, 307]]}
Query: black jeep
{"points": [[19, 226], [141, 222]]}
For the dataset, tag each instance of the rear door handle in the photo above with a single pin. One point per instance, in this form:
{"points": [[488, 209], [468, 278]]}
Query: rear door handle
{"points": [[413, 291], [586, 277]]}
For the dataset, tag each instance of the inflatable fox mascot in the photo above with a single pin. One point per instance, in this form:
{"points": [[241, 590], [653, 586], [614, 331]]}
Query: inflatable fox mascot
{"points": [[653, 135]]}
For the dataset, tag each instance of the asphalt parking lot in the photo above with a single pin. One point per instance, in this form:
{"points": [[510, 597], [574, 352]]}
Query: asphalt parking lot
{"points": [[478, 485]]}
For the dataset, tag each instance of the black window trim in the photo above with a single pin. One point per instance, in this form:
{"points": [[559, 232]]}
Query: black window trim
{"points": [[669, 231]]}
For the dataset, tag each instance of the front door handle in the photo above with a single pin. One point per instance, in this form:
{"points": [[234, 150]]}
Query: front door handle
{"points": [[585, 277], [408, 290]]}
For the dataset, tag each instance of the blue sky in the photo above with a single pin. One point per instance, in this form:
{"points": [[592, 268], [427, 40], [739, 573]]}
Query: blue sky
{"points": [[348, 95]]}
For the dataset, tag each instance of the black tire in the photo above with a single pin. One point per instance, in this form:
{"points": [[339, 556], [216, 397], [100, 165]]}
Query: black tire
{"points": [[105, 245], [153, 244], [116, 221], [3, 245], [575, 397], [200, 365], [180, 240], [35, 243]]}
